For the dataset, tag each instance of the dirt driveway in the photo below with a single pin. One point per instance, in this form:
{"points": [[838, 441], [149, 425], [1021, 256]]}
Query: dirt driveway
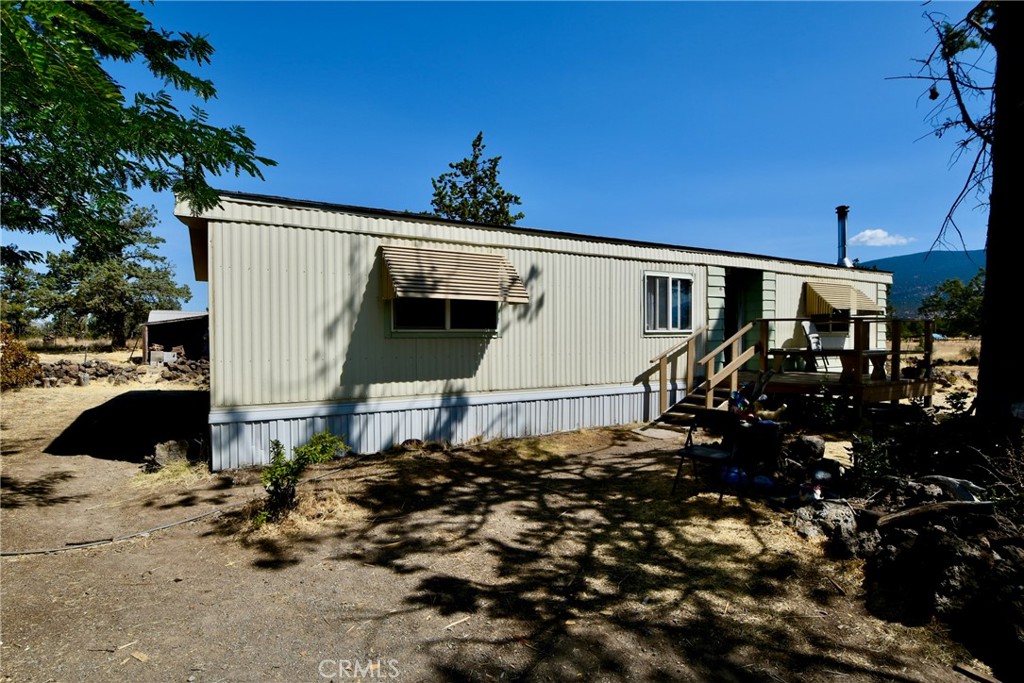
{"points": [[542, 560]]}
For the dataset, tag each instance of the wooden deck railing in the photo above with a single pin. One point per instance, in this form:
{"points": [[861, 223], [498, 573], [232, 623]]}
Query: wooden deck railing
{"points": [[731, 369], [860, 356], [688, 346]]}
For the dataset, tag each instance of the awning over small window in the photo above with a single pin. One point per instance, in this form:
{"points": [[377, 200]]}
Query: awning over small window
{"points": [[437, 274], [825, 298]]}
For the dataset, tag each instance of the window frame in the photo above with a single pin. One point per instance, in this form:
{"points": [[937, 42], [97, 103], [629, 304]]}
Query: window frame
{"points": [[447, 330], [671, 277], [838, 324]]}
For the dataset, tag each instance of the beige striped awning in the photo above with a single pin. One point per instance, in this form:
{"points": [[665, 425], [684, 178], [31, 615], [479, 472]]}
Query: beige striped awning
{"points": [[825, 298], [436, 274]]}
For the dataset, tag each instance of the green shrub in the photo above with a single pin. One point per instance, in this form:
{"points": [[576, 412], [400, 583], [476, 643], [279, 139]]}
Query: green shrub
{"points": [[958, 401], [873, 460], [323, 447], [18, 366], [282, 475], [279, 479]]}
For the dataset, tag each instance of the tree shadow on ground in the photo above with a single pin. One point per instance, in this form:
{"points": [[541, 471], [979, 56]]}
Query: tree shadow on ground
{"points": [[40, 492], [129, 426], [586, 568]]}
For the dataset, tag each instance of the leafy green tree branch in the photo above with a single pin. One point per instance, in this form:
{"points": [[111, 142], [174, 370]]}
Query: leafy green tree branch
{"points": [[74, 145]]}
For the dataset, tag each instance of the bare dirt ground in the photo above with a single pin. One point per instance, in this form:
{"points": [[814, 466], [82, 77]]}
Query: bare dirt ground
{"points": [[553, 559]]}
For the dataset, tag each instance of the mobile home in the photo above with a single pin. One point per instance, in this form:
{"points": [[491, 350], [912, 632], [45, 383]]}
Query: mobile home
{"points": [[386, 326]]}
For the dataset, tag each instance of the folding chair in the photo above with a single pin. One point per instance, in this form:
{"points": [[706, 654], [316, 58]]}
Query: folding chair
{"points": [[721, 422], [813, 341]]}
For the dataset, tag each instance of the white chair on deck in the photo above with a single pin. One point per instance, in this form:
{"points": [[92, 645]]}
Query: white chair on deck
{"points": [[813, 341]]}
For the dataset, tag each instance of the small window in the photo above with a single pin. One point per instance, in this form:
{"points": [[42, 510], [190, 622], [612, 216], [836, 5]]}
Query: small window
{"points": [[837, 323], [667, 300], [409, 313], [465, 314]]}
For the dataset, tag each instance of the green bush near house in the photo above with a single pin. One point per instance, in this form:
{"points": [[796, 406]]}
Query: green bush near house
{"points": [[282, 475]]}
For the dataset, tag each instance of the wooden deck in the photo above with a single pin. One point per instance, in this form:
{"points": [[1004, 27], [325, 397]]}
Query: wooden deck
{"points": [[865, 374], [867, 391]]}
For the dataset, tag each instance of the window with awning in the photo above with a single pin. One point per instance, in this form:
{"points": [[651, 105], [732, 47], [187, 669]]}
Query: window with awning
{"points": [[411, 272], [836, 299], [448, 291]]}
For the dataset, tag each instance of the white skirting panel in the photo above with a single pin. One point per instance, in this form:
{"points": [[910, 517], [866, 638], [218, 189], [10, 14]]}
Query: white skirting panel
{"points": [[241, 437]]}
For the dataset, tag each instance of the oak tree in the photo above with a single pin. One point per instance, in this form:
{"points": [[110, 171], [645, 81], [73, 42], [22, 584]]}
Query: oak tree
{"points": [[109, 290]]}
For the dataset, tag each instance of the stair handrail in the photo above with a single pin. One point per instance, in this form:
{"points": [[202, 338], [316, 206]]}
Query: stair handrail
{"points": [[731, 370], [662, 360], [721, 347]]}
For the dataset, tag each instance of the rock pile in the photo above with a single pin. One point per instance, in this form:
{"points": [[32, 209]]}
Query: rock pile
{"points": [[185, 370], [932, 549], [64, 372], [67, 372]]}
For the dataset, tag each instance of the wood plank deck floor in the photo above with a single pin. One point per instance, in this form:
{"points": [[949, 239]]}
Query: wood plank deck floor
{"points": [[871, 390]]}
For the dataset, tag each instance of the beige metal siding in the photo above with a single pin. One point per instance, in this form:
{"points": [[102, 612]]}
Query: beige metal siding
{"points": [[716, 306], [769, 306], [253, 211], [298, 312], [298, 316], [790, 304]]}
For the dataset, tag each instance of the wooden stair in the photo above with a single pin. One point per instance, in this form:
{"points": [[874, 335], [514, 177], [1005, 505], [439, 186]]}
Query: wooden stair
{"points": [[680, 416]]}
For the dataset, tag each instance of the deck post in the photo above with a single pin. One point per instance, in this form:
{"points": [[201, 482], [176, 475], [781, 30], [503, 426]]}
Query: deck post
{"points": [[896, 328], [928, 340], [691, 359], [663, 385], [709, 393], [763, 361], [860, 360], [734, 378]]}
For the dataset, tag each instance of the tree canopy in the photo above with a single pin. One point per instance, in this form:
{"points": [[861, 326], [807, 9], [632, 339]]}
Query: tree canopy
{"points": [[956, 306], [471, 191], [17, 308], [74, 145], [109, 291]]}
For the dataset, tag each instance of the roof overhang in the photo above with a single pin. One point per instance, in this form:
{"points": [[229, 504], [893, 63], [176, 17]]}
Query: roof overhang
{"points": [[158, 317], [828, 298], [198, 236], [441, 274]]}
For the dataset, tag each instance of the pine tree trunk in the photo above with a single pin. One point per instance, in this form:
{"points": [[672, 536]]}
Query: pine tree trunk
{"points": [[1001, 371]]}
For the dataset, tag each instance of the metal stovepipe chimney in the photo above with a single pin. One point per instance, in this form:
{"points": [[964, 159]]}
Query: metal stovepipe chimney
{"points": [[842, 212]]}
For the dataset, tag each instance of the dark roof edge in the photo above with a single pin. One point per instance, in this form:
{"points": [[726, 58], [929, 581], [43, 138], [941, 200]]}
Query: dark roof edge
{"points": [[430, 218]]}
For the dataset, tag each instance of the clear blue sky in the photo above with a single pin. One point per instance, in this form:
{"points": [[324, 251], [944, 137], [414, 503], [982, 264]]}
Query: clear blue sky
{"points": [[724, 125]]}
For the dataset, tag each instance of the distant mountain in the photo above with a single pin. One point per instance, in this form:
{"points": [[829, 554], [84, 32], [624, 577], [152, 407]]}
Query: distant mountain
{"points": [[915, 276]]}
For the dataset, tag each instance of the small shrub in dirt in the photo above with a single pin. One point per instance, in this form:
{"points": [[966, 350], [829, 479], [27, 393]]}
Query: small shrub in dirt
{"points": [[825, 411], [958, 401], [971, 352], [282, 475], [323, 447], [873, 461], [18, 366]]}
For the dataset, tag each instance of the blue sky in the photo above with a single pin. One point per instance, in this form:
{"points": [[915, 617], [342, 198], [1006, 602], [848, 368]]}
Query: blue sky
{"points": [[723, 125]]}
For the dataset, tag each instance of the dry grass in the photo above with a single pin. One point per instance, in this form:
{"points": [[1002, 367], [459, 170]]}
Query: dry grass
{"points": [[325, 505], [179, 474], [955, 349], [559, 446], [318, 508]]}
